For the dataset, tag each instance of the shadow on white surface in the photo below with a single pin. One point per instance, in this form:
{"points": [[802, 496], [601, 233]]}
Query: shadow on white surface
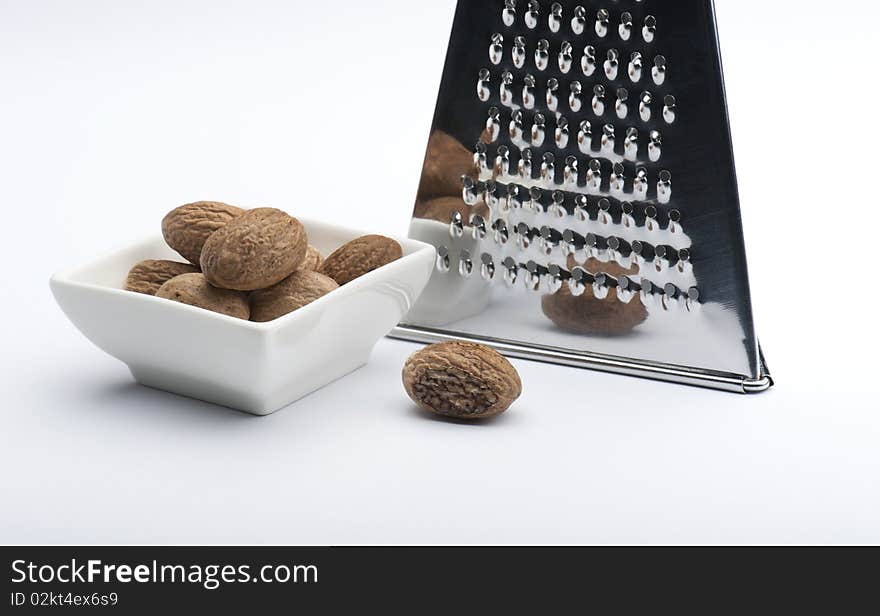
{"points": [[509, 417], [148, 404]]}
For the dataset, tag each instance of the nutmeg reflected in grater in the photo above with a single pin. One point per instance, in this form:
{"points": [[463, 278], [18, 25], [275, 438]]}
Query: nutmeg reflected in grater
{"points": [[579, 186]]}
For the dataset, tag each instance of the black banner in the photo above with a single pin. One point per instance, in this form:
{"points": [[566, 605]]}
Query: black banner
{"points": [[135, 580]]}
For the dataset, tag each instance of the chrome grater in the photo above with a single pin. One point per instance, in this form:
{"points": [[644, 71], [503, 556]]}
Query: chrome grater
{"points": [[579, 187]]}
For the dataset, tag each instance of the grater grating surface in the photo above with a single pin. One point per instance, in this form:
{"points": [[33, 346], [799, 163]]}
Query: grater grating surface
{"points": [[580, 189]]}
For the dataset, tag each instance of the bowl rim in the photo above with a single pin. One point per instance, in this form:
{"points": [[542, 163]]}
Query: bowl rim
{"points": [[412, 249]]}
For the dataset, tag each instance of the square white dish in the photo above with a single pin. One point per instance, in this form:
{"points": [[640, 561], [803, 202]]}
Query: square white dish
{"points": [[258, 368]]}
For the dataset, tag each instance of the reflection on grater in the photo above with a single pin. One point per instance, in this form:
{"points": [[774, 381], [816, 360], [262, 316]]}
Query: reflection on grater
{"points": [[593, 217]]}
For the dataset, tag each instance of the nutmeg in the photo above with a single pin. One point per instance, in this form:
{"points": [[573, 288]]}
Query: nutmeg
{"points": [[312, 260], [261, 247], [148, 276], [188, 227], [360, 256], [194, 290], [588, 314], [297, 290], [462, 380], [441, 209], [446, 161]]}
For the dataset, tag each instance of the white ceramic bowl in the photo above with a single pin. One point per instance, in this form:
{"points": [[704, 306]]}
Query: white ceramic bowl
{"points": [[254, 367]]}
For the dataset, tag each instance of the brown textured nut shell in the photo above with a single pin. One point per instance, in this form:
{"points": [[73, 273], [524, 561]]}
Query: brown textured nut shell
{"points": [[297, 290], [445, 162], [589, 315], [442, 208], [312, 260], [194, 290], [148, 276], [188, 227], [594, 266], [260, 248], [462, 380], [360, 256]]}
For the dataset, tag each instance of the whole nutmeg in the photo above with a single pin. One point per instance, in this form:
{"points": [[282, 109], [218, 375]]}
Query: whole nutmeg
{"points": [[590, 315], [360, 256], [312, 260], [194, 290], [188, 227], [446, 160], [441, 209], [462, 380], [300, 288], [594, 266], [147, 276], [260, 248]]}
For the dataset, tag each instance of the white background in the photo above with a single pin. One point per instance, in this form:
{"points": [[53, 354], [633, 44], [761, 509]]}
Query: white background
{"points": [[112, 113]]}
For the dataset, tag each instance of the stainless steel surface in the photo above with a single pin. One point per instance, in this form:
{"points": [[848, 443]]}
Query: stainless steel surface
{"points": [[681, 375], [592, 169]]}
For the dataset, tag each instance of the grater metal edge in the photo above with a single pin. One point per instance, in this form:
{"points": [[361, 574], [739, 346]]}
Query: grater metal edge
{"points": [[681, 375]]}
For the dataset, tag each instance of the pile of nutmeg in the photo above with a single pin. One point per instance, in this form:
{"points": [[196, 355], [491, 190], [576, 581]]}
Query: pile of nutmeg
{"points": [[251, 264]]}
